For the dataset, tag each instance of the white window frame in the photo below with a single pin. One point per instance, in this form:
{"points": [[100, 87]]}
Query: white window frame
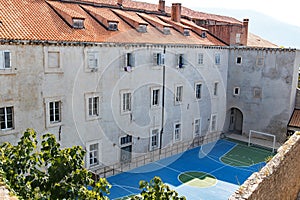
{"points": [[177, 132], [158, 59], [92, 60], [241, 60], [3, 60], [236, 91], [178, 97], [216, 89], [200, 58], [214, 123], [48, 67], [217, 58], [95, 113], [54, 110], [154, 132], [127, 136], [237, 38], [198, 94], [181, 61], [129, 61], [196, 134], [98, 151], [158, 97], [47, 102], [6, 120], [126, 109]]}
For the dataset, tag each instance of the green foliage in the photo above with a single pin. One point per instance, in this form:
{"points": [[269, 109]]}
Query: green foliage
{"points": [[47, 171], [156, 190]]}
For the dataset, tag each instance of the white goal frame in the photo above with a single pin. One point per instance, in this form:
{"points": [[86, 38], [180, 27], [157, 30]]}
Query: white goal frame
{"points": [[265, 134]]}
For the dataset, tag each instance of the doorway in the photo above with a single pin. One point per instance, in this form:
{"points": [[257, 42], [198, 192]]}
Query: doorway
{"points": [[236, 121]]}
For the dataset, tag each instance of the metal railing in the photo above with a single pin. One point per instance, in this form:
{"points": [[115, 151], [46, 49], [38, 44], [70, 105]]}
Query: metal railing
{"points": [[155, 155]]}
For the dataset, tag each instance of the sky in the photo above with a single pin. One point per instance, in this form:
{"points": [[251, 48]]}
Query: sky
{"points": [[285, 11]]}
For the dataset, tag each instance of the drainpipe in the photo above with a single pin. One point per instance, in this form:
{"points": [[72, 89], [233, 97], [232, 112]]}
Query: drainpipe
{"points": [[163, 105]]}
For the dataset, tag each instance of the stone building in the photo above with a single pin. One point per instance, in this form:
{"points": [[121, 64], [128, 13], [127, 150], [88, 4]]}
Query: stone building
{"points": [[125, 78]]}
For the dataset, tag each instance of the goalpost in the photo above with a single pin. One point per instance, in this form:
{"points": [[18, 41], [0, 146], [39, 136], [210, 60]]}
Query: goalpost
{"points": [[252, 132]]}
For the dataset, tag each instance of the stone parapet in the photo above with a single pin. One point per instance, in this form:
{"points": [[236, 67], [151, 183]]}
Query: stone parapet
{"points": [[279, 179]]}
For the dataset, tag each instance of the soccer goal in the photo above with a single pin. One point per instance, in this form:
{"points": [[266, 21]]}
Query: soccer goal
{"points": [[256, 135]]}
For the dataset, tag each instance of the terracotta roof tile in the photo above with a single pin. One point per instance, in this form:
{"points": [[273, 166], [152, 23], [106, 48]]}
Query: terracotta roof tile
{"points": [[256, 41], [36, 20], [295, 119]]}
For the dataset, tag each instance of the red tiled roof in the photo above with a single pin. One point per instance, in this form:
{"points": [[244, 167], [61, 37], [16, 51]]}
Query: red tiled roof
{"points": [[295, 119], [256, 41], [37, 20]]}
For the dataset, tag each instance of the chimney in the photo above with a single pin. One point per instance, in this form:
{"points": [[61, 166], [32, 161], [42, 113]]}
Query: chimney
{"points": [[245, 25], [176, 12], [161, 5], [120, 2]]}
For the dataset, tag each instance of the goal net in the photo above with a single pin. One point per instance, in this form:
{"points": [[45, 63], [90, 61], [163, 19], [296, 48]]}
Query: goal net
{"points": [[260, 139]]}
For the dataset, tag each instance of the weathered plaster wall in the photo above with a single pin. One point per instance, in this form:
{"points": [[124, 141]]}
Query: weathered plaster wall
{"points": [[279, 179], [275, 77], [31, 84]]}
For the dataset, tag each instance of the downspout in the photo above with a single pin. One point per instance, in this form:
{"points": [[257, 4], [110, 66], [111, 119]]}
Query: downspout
{"points": [[163, 104]]}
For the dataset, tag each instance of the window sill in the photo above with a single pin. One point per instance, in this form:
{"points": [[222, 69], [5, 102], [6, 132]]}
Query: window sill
{"points": [[157, 67], [8, 71], [54, 124], [126, 112], [92, 118], [4, 132]]}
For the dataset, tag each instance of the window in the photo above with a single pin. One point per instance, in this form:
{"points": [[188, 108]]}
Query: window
{"points": [[198, 88], [142, 28], [186, 32], [257, 92], [238, 38], [239, 60], [126, 102], [177, 132], [213, 126], [197, 127], [154, 139], [216, 85], [259, 61], [166, 30], [159, 59], [112, 26], [179, 94], [125, 140], [5, 60], [217, 59], [236, 91], [78, 23], [94, 154], [53, 59], [54, 111], [129, 61], [6, 118], [200, 59], [93, 60], [181, 61], [94, 106], [155, 97]]}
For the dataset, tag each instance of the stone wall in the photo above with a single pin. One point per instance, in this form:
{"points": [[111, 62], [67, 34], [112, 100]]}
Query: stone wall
{"points": [[279, 179]]}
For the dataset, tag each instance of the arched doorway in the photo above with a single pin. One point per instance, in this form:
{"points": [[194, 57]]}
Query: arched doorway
{"points": [[236, 121]]}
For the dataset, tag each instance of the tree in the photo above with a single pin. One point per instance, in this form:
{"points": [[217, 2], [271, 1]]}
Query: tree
{"points": [[47, 171], [155, 189]]}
